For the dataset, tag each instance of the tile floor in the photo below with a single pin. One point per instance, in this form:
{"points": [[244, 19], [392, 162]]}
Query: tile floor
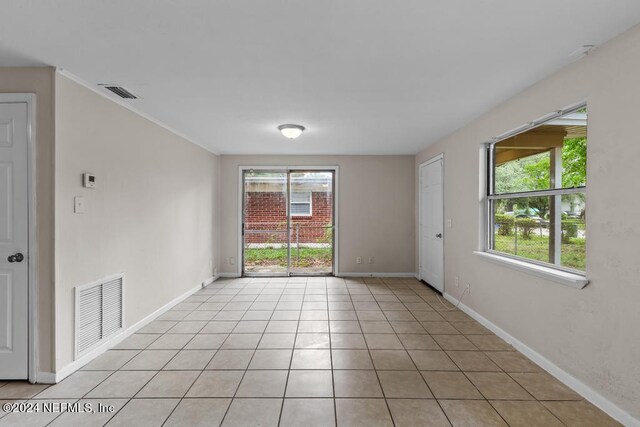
{"points": [[311, 352]]}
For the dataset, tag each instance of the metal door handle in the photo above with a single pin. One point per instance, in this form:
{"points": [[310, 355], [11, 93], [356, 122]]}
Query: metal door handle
{"points": [[439, 235], [15, 258]]}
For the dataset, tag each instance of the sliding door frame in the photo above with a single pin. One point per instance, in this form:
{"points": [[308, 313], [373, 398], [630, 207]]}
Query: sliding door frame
{"points": [[288, 170]]}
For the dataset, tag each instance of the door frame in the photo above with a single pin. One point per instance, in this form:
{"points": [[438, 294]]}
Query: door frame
{"points": [[336, 180], [439, 157], [32, 242]]}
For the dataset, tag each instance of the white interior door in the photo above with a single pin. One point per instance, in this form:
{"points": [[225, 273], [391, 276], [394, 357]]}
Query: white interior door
{"points": [[431, 224], [14, 279]]}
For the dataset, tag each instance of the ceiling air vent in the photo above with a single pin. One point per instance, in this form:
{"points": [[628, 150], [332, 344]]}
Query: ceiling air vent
{"points": [[120, 91]]}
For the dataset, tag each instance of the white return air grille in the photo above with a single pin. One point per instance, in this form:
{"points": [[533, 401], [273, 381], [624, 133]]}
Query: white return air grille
{"points": [[99, 312]]}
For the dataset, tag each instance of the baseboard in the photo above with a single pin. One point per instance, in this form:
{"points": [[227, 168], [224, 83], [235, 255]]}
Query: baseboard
{"points": [[236, 275], [210, 280], [348, 274], [45, 378], [232, 275], [115, 340], [569, 380]]}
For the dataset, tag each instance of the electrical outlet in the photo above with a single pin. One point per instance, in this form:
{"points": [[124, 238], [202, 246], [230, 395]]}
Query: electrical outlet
{"points": [[372, 260], [232, 261], [359, 260], [450, 222], [468, 288], [457, 282]]}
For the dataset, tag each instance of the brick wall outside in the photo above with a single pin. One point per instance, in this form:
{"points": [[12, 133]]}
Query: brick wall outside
{"points": [[267, 211]]}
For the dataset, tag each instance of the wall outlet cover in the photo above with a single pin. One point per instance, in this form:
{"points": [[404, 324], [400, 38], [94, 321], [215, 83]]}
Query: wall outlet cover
{"points": [[78, 205]]}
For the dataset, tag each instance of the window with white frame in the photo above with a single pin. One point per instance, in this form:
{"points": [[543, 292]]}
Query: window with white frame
{"points": [[536, 195], [301, 203]]}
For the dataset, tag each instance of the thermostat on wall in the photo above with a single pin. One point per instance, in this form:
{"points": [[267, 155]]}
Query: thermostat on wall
{"points": [[89, 180]]}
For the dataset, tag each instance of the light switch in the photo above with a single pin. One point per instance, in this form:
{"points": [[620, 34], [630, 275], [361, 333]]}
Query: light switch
{"points": [[78, 205]]}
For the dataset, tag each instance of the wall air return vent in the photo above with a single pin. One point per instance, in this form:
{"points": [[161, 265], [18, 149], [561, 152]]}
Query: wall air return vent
{"points": [[99, 312], [120, 91]]}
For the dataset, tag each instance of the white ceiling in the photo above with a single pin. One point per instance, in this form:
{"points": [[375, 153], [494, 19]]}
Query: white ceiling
{"points": [[364, 76]]}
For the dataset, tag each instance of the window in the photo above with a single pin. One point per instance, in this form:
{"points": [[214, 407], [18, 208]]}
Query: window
{"points": [[300, 203], [536, 201]]}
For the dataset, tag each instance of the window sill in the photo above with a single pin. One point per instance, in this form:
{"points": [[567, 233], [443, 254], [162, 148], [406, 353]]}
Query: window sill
{"points": [[563, 277]]}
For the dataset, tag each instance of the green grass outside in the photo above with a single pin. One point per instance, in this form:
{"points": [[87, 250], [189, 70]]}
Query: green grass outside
{"points": [[308, 256], [572, 254]]}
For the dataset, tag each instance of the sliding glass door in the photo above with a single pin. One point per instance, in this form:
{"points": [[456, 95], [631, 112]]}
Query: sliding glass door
{"points": [[311, 222], [265, 226], [288, 222]]}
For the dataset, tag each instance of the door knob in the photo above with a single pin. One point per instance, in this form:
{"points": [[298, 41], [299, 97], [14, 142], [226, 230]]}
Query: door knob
{"points": [[15, 258], [439, 235]]}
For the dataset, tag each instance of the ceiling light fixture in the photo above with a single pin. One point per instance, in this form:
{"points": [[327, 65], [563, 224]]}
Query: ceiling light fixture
{"points": [[291, 131]]}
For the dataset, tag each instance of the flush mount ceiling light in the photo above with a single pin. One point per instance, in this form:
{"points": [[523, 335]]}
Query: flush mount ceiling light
{"points": [[291, 131]]}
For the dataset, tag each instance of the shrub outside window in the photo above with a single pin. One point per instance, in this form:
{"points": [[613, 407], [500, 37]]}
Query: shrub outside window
{"points": [[536, 199]]}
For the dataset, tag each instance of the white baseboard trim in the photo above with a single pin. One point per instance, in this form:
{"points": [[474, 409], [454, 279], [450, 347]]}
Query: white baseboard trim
{"points": [[210, 280], [569, 380], [67, 370], [45, 378], [232, 275], [349, 274]]}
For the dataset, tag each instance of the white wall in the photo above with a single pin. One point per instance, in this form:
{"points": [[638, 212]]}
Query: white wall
{"points": [[152, 216], [593, 333], [376, 208]]}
